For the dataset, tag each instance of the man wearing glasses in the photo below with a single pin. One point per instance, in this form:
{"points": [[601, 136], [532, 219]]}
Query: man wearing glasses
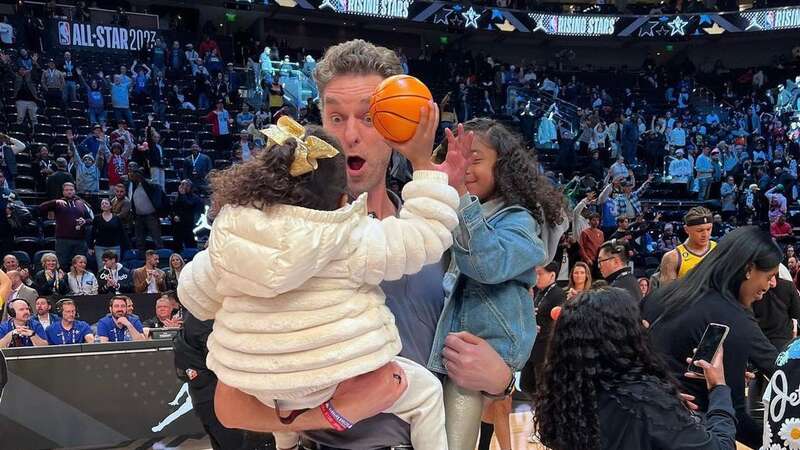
{"points": [[612, 260]]}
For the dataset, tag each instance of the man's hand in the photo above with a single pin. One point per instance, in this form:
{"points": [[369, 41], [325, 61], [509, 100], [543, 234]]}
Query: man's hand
{"points": [[473, 364], [61, 203], [124, 322], [419, 148], [459, 157], [367, 395], [24, 331]]}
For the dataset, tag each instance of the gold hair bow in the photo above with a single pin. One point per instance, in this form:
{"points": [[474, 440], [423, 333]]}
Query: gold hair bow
{"points": [[309, 148]]}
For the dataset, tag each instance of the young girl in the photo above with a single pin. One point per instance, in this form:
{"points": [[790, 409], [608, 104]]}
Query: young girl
{"points": [[504, 203], [291, 276]]}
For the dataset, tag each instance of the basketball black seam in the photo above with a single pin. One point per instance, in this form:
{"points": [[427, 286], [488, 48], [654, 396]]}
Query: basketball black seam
{"points": [[401, 95], [398, 115]]}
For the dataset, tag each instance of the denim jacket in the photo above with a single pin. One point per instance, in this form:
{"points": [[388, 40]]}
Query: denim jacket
{"points": [[488, 284]]}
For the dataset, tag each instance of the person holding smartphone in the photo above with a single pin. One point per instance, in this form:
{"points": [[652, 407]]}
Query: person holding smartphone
{"points": [[618, 394], [721, 290]]}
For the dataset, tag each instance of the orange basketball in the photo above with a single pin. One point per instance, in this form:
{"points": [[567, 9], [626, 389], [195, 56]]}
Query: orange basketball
{"points": [[395, 106]]}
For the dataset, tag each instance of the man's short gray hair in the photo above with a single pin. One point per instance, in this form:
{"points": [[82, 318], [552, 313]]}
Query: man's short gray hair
{"points": [[356, 57]]}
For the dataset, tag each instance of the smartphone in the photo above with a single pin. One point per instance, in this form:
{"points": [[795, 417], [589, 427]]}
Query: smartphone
{"points": [[709, 345]]}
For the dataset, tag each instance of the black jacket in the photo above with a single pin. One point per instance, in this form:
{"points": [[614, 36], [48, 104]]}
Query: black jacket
{"points": [[624, 279], [676, 336], [48, 287], [645, 416], [775, 312], [544, 302], [154, 193]]}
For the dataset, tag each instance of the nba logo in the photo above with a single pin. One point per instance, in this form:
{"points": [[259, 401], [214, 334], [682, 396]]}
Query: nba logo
{"points": [[64, 33]]}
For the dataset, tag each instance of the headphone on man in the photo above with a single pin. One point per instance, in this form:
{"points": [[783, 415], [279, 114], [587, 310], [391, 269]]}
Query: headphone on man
{"points": [[10, 307], [60, 306]]}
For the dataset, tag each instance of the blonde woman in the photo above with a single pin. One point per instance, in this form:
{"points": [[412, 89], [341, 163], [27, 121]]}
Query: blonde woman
{"points": [[176, 264], [51, 279], [81, 281], [580, 279]]}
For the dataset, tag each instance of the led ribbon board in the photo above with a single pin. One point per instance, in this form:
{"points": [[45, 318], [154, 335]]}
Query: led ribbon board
{"points": [[575, 25], [390, 9]]}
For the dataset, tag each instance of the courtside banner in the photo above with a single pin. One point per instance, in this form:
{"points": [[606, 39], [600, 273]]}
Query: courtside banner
{"points": [[103, 37], [115, 395]]}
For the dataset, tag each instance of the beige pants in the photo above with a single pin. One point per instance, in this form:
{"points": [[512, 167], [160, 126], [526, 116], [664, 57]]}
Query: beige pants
{"points": [[420, 405]]}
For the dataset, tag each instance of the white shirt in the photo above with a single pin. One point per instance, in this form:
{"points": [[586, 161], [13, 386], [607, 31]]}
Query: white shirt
{"points": [[680, 169], [678, 137], [152, 286], [45, 322]]}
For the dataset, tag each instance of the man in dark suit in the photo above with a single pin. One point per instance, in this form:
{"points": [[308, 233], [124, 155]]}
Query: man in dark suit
{"points": [[612, 259], [548, 296]]}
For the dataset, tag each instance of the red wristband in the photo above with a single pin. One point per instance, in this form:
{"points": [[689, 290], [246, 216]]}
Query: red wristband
{"points": [[326, 413]]}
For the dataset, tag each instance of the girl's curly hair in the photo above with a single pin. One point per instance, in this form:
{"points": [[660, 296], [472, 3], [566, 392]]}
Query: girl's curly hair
{"points": [[265, 180], [516, 173], [597, 343]]}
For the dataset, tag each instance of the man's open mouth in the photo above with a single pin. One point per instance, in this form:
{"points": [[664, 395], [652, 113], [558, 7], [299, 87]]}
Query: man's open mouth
{"points": [[355, 162]]}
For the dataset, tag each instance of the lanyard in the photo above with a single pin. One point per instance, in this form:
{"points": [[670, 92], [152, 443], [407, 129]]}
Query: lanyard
{"points": [[543, 295], [116, 334], [72, 333]]}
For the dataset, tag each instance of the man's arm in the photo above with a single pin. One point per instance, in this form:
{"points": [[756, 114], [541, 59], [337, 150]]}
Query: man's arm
{"points": [[356, 399], [5, 341], [669, 267]]}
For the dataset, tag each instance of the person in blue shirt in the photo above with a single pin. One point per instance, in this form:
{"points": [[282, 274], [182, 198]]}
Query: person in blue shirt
{"points": [[68, 330], [120, 98], [20, 330], [119, 327], [43, 314], [196, 167]]}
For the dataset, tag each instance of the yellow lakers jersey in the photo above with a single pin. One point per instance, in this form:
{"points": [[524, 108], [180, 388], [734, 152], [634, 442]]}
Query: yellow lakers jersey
{"points": [[688, 260]]}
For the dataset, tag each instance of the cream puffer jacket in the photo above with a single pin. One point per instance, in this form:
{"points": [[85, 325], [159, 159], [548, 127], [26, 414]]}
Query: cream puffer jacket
{"points": [[294, 292]]}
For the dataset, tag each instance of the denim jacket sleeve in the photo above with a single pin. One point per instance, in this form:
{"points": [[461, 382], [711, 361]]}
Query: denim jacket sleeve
{"points": [[494, 254]]}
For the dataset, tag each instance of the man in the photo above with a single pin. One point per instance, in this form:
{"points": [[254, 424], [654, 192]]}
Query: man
{"points": [[113, 277], [221, 123], [120, 205], [94, 144], [613, 263], [781, 230], [668, 240], [147, 200], [18, 288], [43, 314], [25, 94], [728, 193], [680, 169], [72, 216], [628, 204], [53, 84], [196, 167], [120, 97], [346, 77], [149, 279], [9, 148], [778, 312], [163, 318], [70, 93], [68, 330], [548, 296], [119, 326], [698, 224], [55, 182], [245, 117], [677, 137], [186, 210], [123, 135], [10, 262], [591, 239], [20, 330], [705, 170]]}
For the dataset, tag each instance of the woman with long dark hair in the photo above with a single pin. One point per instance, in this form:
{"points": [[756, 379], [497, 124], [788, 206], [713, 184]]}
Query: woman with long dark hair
{"points": [[721, 290], [603, 388]]}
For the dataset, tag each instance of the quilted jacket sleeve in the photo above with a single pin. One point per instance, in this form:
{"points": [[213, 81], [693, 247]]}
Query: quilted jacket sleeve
{"points": [[396, 246], [196, 287]]}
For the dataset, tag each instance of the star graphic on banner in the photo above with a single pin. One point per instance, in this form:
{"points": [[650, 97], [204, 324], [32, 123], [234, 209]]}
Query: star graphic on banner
{"points": [[505, 26], [328, 4], [716, 29], [678, 26], [648, 28], [472, 18], [442, 16], [457, 8], [662, 31], [705, 18], [497, 14]]}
